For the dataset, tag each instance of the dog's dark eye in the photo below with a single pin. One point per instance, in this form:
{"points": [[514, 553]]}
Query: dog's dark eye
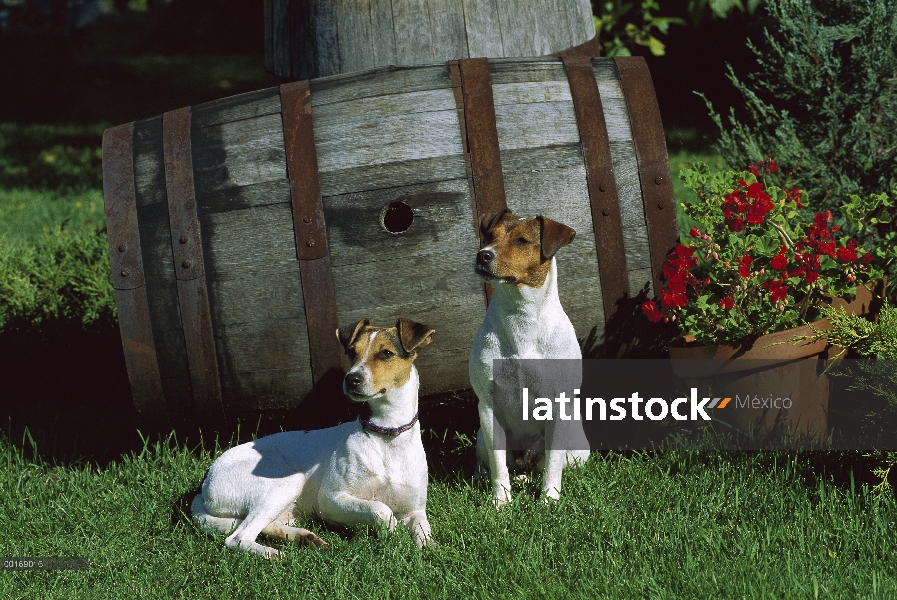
{"points": [[522, 241], [386, 354], [350, 352]]}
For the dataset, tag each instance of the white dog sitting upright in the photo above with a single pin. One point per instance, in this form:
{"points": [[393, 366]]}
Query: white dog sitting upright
{"points": [[371, 470], [524, 320]]}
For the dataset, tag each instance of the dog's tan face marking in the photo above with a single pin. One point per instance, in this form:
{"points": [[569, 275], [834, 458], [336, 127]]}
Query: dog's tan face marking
{"points": [[381, 356], [519, 251]]}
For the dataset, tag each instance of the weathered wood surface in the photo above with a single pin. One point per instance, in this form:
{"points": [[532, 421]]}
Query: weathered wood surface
{"points": [[306, 39], [384, 136]]}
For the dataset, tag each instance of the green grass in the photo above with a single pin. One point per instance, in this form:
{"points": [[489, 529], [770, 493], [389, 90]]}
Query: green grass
{"points": [[27, 214], [677, 524]]}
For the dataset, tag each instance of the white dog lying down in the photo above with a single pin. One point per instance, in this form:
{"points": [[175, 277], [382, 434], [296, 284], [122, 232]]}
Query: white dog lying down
{"points": [[371, 470]]}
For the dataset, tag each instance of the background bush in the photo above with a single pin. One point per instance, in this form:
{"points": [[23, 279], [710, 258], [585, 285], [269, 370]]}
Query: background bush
{"points": [[54, 263], [823, 96], [63, 277], [50, 156]]}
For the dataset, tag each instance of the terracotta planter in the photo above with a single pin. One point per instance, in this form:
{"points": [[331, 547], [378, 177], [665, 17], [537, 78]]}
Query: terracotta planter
{"points": [[775, 386], [770, 368]]}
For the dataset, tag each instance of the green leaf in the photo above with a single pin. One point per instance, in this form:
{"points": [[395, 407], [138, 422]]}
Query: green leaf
{"points": [[656, 46]]}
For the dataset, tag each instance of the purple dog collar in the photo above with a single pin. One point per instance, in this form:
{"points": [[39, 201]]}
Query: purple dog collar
{"points": [[390, 431]]}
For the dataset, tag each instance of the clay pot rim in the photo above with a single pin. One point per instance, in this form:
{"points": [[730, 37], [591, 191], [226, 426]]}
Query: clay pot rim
{"points": [[767, 350], [776, 347]]}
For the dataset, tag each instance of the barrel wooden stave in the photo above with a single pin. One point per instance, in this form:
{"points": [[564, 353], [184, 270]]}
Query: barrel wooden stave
{"points": [[161, 285], [307, 39], [384, 136]]}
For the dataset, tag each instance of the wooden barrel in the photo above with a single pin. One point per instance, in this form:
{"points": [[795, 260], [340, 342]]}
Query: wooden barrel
{"points": [[243, 231], [305, 39]]}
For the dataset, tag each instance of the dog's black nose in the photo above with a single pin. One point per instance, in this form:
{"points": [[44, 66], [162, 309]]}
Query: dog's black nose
{"points": [[353, 380], [485, 256]]}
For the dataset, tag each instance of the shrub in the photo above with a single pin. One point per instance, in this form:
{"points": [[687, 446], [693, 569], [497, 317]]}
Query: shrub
{"points": [[63, 277], [824, 98], [874, 339], [51, 157], [619, 35]]}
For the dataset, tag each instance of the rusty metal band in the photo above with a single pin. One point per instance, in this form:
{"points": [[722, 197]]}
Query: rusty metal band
{"points": [[128, 279], [591, 48], [312, 249], [481, 136], [653, 163], [186, 250], [607, 221]]}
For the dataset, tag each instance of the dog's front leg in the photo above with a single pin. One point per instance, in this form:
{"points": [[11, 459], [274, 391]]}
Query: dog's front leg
{"points": [[496, 447], [555, 455], [419, 526], [344, 508]]}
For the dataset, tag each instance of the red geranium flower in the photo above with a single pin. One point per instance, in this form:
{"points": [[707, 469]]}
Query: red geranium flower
{"points": [[736, 224], [779, 261], [726, 303], [744, 265], [682, 258], [650, 310], [672, 300], [694, 232], [764, 167], [794, 194], [756, 214], [826, 247], [777, 290], [821, 219], [847, 254]]}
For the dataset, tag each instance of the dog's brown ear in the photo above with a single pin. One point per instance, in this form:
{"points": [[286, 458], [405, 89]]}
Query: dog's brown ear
{"points": [[490, 221], [413, 336], [554, 236], [347, 333]]}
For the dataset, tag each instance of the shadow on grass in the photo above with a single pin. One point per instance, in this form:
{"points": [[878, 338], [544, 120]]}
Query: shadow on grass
{"points": [[69, 387]]}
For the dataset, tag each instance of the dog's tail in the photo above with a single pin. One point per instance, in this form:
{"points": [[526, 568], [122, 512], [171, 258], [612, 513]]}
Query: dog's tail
{"points": [[210, 523]]}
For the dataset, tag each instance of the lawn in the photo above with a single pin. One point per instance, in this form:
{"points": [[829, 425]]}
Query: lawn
{"points": [[674, 524]]}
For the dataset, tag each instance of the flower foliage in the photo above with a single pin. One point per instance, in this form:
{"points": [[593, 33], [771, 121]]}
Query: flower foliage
{"points": [[757, 262]]}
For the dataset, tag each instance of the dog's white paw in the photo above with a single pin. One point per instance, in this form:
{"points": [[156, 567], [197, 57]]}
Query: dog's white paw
{"points": [[423, 540], [522, 478], [550, 496], [500, 500], [385, 518]]}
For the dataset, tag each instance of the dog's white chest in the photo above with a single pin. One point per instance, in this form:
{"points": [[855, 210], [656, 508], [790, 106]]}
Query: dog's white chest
{"points": [[391, 471]]}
